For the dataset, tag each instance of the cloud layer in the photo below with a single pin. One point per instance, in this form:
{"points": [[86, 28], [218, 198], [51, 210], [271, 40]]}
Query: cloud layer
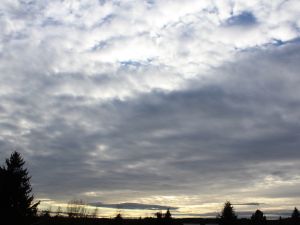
{"points": [[128, 205], [155, 102]]}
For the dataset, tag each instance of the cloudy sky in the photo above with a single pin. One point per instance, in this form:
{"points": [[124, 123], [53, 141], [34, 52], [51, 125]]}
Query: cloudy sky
{"points": [[159, 103]]}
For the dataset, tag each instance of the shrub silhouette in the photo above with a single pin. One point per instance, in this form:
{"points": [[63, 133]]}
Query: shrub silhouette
{"points": [[118, 220], [159, 215], [17, 202]]}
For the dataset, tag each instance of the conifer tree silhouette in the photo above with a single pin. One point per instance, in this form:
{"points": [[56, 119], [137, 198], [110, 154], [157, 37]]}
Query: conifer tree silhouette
{"points": [[228, 216], [168, 218], [258, 218], [295, 216], [16, 201], [168, 215]]}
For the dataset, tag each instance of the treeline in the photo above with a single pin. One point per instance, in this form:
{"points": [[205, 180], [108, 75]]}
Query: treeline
{"points": [[228, 216], [17, 206]]}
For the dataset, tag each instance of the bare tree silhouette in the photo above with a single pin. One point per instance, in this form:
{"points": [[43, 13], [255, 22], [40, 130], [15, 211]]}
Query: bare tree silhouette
{"points": [[76, 208]]}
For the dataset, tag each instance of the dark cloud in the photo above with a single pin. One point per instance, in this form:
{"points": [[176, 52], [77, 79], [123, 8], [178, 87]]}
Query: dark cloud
{"points": [[129, 205], [248, 203], [207, 137]]}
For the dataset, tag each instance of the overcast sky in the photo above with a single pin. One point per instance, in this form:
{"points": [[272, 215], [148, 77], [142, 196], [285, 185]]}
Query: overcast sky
{"points": [[160, 103]]}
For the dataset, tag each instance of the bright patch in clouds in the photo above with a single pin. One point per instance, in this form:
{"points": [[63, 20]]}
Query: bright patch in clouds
{"points": [[135, 46], [135, 101]]}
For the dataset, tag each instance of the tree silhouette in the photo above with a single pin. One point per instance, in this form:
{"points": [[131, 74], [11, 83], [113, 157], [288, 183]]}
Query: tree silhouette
{"points": [[159, 215], [168, 215], [95, 213], [76, 208], [118, 219], [17, 203], [258, 218], [228, 216], [295, 216]]}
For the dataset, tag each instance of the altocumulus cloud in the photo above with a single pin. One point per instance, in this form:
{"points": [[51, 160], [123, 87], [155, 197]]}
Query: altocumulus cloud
{"points": [[155, 102]]}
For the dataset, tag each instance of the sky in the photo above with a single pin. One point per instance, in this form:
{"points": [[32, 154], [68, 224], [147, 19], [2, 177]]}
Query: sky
{"points": [[137, 106]]}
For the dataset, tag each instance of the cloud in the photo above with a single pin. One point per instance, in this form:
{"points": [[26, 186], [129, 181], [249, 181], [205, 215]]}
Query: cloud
{"points": [[248, 203], [203, 139], [128, 205], [95, 39], [136, 103]]}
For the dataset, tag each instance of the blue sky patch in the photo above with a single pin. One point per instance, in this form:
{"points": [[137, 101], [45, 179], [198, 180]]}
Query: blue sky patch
{"points": [[244, 19]]}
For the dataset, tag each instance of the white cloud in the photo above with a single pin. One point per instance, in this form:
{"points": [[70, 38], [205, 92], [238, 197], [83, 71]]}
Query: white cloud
{"points": [[96, 37]]}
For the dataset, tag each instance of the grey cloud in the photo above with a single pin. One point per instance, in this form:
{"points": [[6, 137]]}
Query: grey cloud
{"points": [[128, 205], [209, 135], [248, 203], [222, 131]]}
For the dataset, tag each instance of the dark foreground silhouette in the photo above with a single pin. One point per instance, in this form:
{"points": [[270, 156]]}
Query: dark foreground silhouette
{"points": [[226, 217], [16, 200], [151, 221]]}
